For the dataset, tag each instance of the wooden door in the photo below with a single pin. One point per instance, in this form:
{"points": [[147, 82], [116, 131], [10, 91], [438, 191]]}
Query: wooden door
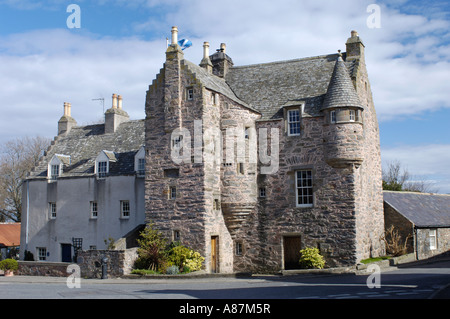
{"points": [[291, 247], [215, 254]]}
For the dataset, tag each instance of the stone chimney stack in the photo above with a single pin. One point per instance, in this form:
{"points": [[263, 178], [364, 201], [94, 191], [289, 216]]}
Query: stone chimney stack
{"points": [[115, 115], [206, 62], [354, 47], [66, 122], [221, 62], [174, 50]]}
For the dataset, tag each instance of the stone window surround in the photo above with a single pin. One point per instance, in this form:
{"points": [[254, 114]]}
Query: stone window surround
{"points": [[172, 192], [292, 171], [300, 106], [433, 238], [189, 93], [289, 122], [238, 248]]}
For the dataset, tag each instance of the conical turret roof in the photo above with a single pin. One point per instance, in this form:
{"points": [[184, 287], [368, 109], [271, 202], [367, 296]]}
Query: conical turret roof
{"points": [[341, 92]]}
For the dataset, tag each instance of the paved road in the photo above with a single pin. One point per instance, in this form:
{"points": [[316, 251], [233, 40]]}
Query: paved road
{"points": [[419, 282]]}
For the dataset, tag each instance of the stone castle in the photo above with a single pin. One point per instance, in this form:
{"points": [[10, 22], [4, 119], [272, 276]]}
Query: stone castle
{"points": [[245, 164], [250, 164]]}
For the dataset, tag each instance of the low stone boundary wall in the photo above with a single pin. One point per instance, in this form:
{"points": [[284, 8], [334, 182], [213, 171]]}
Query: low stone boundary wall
{"points": [[42, 268], [120, 262]]}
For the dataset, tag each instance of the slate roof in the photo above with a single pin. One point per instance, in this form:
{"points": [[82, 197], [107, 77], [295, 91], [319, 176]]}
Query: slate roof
{"points": [[423, 210], [341, 92], [84, 143], [9, 234], [213, 82], [268, 87]]}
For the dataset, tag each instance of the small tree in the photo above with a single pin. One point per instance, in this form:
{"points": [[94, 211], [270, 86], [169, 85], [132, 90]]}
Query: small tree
{"points": [[151, 251]]}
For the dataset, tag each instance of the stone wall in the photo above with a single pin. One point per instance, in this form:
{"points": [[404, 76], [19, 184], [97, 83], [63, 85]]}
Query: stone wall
{"points": [[423, 242], [404, 227], [42, 268], [120, 262]]}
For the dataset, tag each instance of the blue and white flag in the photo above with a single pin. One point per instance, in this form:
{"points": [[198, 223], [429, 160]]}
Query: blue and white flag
{"points": [[184, 44]]}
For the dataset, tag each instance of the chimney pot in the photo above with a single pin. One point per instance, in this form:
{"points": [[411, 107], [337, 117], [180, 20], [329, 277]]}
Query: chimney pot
{"points": [[114, 101], [119, 101], [205, 50], [174, 35], [223, 47], [354, 33]]}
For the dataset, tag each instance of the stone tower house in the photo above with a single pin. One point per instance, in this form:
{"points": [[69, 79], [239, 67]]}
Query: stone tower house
{"points": [[250, 164]]}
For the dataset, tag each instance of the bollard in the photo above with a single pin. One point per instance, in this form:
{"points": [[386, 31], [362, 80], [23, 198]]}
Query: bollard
{"points": [[104, 268]]}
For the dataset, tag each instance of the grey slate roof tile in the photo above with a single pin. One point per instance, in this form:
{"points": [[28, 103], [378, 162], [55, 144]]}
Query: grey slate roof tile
{"points": [[84, 143], [341, 92], [423, 210], [267, 87]]}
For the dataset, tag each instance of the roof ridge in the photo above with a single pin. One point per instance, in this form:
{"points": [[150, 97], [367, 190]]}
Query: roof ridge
{"points": [[416, 193], [286, 61]]}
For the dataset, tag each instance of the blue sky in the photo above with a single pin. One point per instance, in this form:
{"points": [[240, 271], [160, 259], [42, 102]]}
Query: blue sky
{"points": [[119, 48]]}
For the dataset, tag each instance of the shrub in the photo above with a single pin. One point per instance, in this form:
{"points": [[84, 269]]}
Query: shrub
{"points": [[9, 264], [311, 258], [183, 258], [151, 251], [393, 241], [172, 270]]}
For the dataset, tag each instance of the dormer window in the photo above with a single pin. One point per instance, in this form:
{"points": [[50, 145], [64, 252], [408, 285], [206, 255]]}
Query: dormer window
{"points": [[102, 169], [102, 163], [293, 111], [56, 166], [293, 119], [54, 172], [139, 162]]}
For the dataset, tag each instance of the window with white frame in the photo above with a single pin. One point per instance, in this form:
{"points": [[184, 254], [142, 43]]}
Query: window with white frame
{"points": [[56, 166], [141, 166], [433, 239], [351, 115], [139, 162], [52, 210], [304, 188], [94, 209], [293, 120], [125, 209], [54, 171], [41, 253], [333, 117], [102, 169]]}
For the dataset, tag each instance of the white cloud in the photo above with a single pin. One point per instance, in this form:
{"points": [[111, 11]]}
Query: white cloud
{"points": [[43, 69]]}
